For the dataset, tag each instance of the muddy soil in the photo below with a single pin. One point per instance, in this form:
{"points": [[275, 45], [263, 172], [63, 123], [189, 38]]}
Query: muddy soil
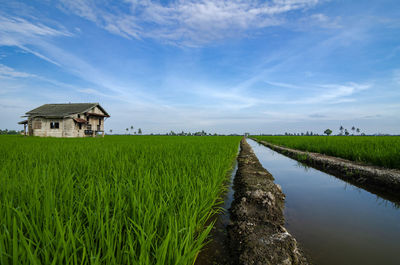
{"points": [[382, 181], [257, 234]]}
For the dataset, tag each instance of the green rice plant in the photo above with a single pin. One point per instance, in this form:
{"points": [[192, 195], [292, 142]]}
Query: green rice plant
{"points": [[112, 200], [381, 151]]}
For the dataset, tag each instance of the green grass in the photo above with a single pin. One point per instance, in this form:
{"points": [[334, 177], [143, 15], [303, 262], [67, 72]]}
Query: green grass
{"points": [[112, 200], [381, 151]]}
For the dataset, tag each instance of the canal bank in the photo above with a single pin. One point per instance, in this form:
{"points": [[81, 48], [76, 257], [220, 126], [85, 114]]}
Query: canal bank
{"points": [[334, 221], [256, 234]]}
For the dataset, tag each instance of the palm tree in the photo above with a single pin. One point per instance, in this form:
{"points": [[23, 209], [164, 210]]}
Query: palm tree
{"points": [[353, 129], [131, 127], [341, 130], [127, 129], [110, 131], [358, 130]]}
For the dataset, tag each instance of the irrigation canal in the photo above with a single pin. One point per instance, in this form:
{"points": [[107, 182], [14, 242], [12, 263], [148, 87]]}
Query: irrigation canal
{"points": [[334, 221]]}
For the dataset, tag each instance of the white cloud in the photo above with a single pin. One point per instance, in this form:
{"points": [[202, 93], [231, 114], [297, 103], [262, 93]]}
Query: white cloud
{"points": [[191, 22], [22, 29], [21, 33], [326, 93], [323, 21], [35, 38], [336, 93], [8, 72]]}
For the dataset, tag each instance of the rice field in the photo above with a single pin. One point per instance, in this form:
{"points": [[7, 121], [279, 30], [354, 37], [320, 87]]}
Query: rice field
{"points": [[381, 151], [112, 200]]}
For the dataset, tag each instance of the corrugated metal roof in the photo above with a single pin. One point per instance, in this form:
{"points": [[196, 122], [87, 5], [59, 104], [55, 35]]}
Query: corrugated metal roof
{"points": [[62, 110], [79, 120]]}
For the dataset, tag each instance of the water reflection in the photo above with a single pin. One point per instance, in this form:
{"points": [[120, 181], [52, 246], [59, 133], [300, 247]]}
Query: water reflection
{"points": [[335, 222], [302, 165]]}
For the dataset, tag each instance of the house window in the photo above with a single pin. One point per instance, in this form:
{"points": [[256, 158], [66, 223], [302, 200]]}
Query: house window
{"points": [[54, 125], [80, 126], [79, 115], [99, 121], [37, 125], [87, 117], [89, 126]]}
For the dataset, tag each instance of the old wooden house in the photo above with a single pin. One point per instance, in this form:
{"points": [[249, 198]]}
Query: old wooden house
{"points": [[66, 120]]}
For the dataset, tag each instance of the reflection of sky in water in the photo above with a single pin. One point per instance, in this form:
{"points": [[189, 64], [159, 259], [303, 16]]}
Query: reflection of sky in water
{"points": [[225, 215], [336, 222]]}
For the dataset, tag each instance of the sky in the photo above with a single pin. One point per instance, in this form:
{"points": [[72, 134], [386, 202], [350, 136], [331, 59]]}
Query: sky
{"points": [[221, 66]]}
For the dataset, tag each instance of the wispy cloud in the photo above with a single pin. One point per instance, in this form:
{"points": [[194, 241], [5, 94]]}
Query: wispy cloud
{"points": [[21, 27], [35, 38], [191, 22], [322, 20], [333, 93], [8, 72], [18, 31], [22, 33]]}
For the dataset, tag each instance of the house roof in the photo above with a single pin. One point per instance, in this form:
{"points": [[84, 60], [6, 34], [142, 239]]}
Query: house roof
{"points": [[96, 114], [79, 120], [62, 110]]}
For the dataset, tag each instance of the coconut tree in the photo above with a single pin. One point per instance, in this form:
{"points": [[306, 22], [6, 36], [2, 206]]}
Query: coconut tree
{"points": [[358, 130], [353, 129], [341, 130], [127, 129]]}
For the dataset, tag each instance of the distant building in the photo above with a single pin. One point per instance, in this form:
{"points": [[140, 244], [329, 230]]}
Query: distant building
{"points": [[66, 120]]}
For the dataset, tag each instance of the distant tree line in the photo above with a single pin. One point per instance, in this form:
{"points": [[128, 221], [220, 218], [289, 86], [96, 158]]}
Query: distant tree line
{"points": [[302, 134], [10, 132], [182, 133], [202, 133], [342, 131], [130, 131], [139, 131]]}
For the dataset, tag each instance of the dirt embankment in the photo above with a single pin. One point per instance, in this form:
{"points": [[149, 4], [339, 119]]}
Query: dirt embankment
{"points": [[257, 234], [382, 181]]}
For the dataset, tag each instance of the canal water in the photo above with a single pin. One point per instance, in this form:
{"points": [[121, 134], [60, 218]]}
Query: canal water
{"points": [[334, 221]]}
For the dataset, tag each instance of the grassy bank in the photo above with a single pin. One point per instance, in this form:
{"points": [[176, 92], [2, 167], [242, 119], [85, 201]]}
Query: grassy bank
{"points": [[381, 151], [115, 200]]}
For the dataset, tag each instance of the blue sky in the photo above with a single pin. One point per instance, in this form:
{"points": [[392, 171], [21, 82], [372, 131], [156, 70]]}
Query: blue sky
{"points": [[221, 66]]}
